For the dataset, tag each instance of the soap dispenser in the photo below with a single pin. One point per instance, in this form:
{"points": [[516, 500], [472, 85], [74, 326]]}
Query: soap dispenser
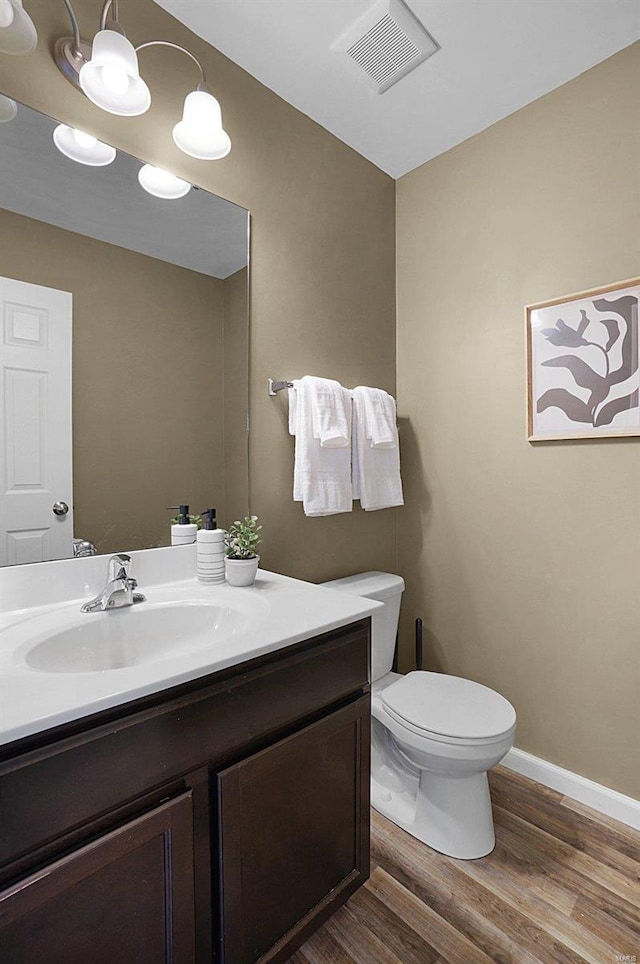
{"points": [[210, 549], [183, 532]]}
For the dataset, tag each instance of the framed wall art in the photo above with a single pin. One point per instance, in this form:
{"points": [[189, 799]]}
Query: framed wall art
{"points": [[583, 364]]}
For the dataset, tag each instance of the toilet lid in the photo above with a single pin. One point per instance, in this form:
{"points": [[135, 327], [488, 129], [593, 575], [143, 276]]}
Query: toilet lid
{"points": [[449, 706]]}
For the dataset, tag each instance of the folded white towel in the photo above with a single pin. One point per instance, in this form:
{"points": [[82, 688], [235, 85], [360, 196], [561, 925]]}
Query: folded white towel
{"points": [[320, 420], [380, 417], [376, 467], [331, 412]]}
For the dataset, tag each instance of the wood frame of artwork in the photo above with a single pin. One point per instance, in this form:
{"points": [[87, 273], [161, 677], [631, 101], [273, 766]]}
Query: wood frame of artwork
{"points": [[594, 384]]}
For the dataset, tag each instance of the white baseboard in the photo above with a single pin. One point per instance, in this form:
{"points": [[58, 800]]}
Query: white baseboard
{"points": [[610, 802]]}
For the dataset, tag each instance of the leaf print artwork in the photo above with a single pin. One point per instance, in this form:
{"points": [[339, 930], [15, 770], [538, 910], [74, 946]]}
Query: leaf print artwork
{"points": [[584, 375], [565, 336]]}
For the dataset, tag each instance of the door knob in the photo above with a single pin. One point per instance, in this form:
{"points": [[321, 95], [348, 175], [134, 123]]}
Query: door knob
{"points": [[60, 508]]}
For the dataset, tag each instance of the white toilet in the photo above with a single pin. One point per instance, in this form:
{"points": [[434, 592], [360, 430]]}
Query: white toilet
{"points": [[433, 738]]}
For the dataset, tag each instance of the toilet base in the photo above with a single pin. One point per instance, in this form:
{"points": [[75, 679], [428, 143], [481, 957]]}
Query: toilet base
{"points": [[450, 814], [435, 790]]}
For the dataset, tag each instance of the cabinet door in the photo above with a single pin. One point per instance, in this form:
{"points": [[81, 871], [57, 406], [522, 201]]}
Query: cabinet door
{"points": [[125, 898], [293, 835]]}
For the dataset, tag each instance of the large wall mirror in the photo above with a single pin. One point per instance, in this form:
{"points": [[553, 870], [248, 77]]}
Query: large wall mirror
{"points": [[124, 352]]}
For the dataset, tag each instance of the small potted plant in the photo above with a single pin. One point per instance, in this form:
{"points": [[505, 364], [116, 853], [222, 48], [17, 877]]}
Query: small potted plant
{"points": [[241, 541]]}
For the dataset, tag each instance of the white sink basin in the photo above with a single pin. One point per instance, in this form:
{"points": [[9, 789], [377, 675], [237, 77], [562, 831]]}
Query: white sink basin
{"points": [[58, 664], [69, 641]]}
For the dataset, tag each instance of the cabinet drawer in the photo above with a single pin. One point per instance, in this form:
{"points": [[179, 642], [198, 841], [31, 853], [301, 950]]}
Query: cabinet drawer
{"points": [[53, 791], [127, 897]]}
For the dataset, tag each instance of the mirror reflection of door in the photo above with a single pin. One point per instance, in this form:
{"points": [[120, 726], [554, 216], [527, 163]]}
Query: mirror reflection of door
{"points": [[36, 442]]}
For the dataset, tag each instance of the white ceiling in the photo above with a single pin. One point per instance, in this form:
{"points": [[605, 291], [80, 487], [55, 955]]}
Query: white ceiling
{"points": [[201, 232], [496, 56]]}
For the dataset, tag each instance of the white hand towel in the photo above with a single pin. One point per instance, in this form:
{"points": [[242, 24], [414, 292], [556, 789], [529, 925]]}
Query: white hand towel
{"points": [[380, 418], [331, 412], [376, 468], [320, 420]]}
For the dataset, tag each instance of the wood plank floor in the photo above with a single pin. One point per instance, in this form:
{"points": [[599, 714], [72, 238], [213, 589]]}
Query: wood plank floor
{"points": [[562, 885]]}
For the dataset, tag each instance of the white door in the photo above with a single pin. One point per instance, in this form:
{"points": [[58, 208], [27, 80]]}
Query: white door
{"points": [[35, 445]]}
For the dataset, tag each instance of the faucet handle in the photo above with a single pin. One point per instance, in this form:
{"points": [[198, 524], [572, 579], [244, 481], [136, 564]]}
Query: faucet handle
{"points": [[119, 566]]}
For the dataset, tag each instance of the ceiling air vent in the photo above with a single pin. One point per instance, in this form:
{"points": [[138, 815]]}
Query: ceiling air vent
{"points": [[385, 44]]}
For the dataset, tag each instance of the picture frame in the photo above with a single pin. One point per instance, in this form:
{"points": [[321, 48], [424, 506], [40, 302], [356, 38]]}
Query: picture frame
{"points": [[583, 364]]}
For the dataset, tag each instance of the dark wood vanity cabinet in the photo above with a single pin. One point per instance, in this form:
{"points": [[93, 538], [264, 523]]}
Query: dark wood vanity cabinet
{"points": [[221, 821], [292, 832], [126, 896]]}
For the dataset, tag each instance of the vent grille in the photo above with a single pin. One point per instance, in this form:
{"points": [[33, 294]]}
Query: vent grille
{"points": [[385, 44], [384, 50]]}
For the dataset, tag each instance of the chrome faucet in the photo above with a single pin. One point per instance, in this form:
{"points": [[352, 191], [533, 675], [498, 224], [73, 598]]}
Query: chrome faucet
{"points": [[118, 591]]}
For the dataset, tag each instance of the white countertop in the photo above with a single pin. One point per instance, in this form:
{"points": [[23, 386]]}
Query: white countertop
{"points": [[282, 611]]}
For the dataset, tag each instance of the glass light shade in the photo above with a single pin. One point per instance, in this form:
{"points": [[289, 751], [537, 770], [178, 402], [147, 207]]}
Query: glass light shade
{"points": [[161, 183], [17, 32], [111, 79], [83, 148], [200, 133], [6, 13], [8, 109]]}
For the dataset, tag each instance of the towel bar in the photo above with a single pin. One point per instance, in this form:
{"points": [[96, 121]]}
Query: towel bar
{"points": [[275, 386]]}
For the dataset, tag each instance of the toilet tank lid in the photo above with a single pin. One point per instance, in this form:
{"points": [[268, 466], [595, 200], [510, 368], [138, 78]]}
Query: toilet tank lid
{"points": [[369, 585]]}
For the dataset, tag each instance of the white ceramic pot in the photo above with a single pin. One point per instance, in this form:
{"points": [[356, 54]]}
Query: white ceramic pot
{"points": [[242, 572]]}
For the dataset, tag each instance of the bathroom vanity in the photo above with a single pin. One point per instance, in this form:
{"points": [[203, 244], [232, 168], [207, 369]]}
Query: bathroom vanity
{"points": [[221, 818]]}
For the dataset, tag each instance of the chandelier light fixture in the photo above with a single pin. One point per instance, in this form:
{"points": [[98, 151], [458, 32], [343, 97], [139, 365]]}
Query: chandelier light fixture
{"points": [[200, 132], [107, 72], [17, 32], [111, 79]]}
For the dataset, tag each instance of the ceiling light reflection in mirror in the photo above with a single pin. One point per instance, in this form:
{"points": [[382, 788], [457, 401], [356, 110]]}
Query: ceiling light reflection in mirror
{"points": [[82, 148]]}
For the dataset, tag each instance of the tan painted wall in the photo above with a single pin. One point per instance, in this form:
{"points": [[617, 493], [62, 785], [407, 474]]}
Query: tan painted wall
{"points": [[322, 272], [523, 560], [147, 405]]}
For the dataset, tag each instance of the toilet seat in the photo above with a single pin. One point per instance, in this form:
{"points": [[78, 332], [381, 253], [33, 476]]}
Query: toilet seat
{"points": [[448, 709]]}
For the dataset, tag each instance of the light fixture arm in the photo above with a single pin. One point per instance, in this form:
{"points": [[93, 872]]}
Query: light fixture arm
{"points": [[71, 53], [105, 22], [75, 29], [74, 25], [202, 83]]}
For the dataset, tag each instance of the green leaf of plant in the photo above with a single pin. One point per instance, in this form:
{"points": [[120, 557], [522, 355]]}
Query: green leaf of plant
{"points": [[242, 538]]}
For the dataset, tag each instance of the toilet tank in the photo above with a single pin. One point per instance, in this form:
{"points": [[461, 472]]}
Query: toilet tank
{"points": [[387, 589]]}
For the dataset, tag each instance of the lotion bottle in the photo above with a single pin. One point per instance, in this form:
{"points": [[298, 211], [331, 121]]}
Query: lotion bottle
{"points": [[210, 549], [183, 532]]}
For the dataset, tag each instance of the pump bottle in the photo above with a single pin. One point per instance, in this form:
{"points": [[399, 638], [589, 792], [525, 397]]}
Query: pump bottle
{"points": [[210, 549], [183, 532]]}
